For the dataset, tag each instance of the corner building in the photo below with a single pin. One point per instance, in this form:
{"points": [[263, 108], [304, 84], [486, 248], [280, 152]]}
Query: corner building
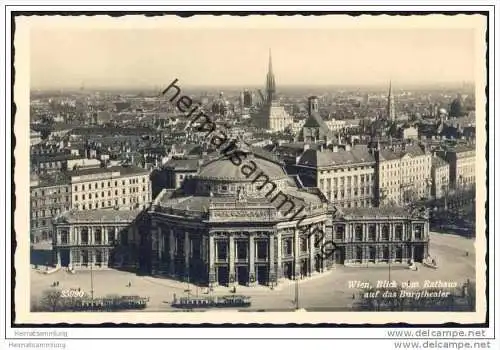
{"points": [[228, 226]]}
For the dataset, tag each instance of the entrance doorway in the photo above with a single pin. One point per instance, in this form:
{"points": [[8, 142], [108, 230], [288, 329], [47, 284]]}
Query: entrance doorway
{"points": [[242, 275], [64, 257], [385, 254], [288, 270], [399, 254], [339, 255], [85, 258], [262, 275], [419, 253], [223, 275], [372, 254]]}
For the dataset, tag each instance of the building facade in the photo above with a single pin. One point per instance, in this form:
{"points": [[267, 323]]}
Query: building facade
{"points": [[440, 177], [122, 187], [390, 235], [346, 176], [50, 195], [462, 160], [97, 239], [403, 173]]}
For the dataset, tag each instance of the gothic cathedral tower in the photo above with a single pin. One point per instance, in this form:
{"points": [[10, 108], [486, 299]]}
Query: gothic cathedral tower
{"points": [[270, 82]]}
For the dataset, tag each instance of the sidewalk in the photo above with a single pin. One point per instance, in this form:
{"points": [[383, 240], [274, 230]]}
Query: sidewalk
{"points": [[284, 284]]}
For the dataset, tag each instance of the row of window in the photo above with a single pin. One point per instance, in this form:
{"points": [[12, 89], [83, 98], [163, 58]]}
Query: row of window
{"points": [[48, 212], [383, 252], [406, 163], [103, 184], [50, 191], [242, 250], [342, 181], [40, 202], [347, 194], [85, 235], [109, 204], [372, 232], [50, 165], [341, 170], [103, 194]]}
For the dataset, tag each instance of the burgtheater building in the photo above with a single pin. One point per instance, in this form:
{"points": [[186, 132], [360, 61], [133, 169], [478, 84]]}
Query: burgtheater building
{"points": [[225, 227]]}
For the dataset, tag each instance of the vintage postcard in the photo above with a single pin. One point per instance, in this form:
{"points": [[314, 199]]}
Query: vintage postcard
{"points": [[259, 169]]}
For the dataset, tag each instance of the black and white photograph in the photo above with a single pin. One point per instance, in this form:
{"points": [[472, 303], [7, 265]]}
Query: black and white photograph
{"points": [[250, 169]]}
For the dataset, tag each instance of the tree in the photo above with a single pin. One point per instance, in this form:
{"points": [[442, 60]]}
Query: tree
{"points": [[50, 300], [409, 196]]}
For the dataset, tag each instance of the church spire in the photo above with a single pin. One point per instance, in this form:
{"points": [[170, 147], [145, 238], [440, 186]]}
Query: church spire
{"points": [[391, 113], [270, 81]]}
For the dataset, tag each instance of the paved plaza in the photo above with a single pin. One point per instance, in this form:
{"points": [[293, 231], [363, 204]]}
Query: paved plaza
{"points": [[454, 255]]}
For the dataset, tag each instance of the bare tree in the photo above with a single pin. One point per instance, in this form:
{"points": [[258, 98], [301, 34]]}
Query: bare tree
{"points": [[50, 300]]}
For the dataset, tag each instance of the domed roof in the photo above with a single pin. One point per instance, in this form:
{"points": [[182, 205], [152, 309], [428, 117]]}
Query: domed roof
{"points": [[224, 169]]}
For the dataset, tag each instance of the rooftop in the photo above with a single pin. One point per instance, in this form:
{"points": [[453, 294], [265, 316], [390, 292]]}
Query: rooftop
{"points": [[198, 205], [99, 215], [124, 170], [356, 155], [48, 180], [374, 212], [182, 164], [438, 161]]}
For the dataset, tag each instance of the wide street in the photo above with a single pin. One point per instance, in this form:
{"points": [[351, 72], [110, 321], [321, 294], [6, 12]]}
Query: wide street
{"points": [[321, 292]]}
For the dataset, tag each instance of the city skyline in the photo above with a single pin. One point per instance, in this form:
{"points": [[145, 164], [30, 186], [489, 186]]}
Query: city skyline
{"points": [[137, 59]]}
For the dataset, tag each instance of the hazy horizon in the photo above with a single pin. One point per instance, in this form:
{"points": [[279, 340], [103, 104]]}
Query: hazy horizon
{"points": [[458, 84], [148, 58]]}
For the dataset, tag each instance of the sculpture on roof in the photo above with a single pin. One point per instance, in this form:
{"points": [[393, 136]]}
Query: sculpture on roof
{"points": [[241, 193]]}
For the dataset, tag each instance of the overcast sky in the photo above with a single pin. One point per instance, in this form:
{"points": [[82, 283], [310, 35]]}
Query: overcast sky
{"points": [[238, 56]]}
